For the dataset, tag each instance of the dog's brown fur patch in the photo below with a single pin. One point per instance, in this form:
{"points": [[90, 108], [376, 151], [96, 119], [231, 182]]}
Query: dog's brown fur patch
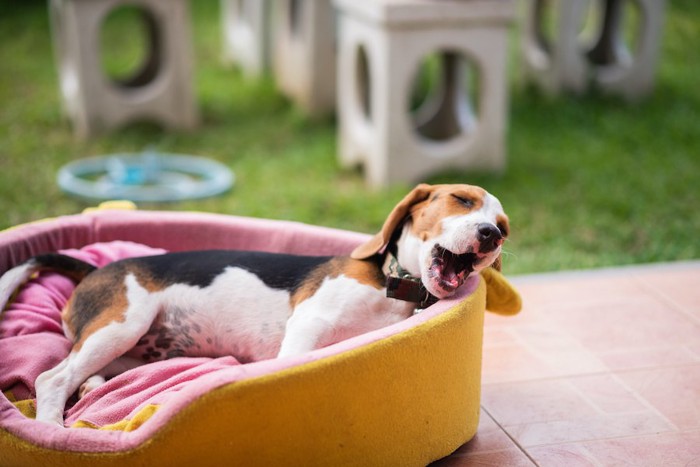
{"points": [[114, 311], [365, 272], [105, 293], [445, 202], [503, 224], [426, 205]]}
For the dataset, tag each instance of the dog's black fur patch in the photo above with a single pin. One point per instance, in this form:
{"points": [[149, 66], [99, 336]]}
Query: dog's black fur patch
{"points": [[200, 268]]}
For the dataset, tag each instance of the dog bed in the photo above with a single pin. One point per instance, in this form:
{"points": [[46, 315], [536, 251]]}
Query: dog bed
{"points": [[406, 394]]}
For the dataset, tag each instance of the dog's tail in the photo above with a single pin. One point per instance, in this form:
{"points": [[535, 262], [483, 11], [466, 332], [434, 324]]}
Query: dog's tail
{"points": [[15, 277]]}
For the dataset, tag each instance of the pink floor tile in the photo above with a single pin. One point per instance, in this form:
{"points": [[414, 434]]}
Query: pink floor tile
{"points": [[608, 394], [674, 392], [588, 428], [509, 457], [651, 357], [489, 437], [490, 446], [537, 350], [576, 409], [533, 402], [498, 336], [678, 287], [530, 314], [636, 322], [569, 455], [562, 352], [667, 450], [513, 362], [582, 288], [601, 368], [694, 349]]}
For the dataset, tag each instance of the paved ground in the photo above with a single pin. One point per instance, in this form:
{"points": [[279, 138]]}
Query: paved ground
{"points": [[601, 368]]}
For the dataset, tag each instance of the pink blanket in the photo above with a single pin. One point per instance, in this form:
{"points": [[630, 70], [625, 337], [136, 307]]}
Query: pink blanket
{"points": [[32, 341]]}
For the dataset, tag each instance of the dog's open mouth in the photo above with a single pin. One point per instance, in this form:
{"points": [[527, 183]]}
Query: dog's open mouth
{"points": [[450, 270]]}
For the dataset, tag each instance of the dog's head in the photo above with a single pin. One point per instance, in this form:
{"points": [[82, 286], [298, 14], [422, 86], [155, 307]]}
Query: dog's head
{"points": [[448, 233]]}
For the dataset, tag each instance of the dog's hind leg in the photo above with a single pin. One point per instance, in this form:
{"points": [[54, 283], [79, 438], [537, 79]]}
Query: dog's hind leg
{"points": [[100, 346], [54, 387]]}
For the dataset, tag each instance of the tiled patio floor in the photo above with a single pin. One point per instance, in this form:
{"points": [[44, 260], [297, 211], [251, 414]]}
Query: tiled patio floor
{"points": [[601, 368]]}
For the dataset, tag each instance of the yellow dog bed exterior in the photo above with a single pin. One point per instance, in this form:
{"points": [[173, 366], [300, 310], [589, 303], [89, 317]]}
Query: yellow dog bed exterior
{"points": [[406, 399]]}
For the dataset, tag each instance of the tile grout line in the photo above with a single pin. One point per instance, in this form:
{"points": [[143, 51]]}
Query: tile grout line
{"points": [[668, 300], [513, 440], [608, 371], [636, 395], [608, 271], [674, 430], [612, 438]]}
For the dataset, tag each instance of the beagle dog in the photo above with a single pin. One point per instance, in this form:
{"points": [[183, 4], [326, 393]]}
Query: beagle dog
{"points": [[256, 305]]}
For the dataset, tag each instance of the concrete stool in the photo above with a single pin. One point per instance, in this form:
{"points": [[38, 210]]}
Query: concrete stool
{"points": [[382, 44], [160, 91], [304, 53], [566, 63], [246, 28]]}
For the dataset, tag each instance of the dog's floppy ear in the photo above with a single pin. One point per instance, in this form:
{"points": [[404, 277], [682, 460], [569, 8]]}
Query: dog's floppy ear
{"points": [[397, 215], [504, 227], [498, 264]]}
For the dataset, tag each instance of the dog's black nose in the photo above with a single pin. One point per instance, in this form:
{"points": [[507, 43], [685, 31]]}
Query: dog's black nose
{"points": [[489, 237]]}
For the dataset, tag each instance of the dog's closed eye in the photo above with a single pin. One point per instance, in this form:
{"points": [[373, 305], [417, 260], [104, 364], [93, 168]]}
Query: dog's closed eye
{"points": [[467, 202]]}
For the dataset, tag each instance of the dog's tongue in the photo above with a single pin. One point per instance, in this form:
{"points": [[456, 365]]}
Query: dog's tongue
{"points": [[449, 278]]}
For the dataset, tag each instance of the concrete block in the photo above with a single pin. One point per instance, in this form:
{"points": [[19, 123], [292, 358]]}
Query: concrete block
{"points": [[382, 44], [160, 91], [566, 62], [304, 61], [247, 36]]}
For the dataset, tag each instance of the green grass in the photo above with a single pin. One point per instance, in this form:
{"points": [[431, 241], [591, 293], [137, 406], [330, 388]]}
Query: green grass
{"points": [[592, 181]]}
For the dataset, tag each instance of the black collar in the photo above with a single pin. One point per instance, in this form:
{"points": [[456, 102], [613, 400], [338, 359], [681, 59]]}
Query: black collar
{"points": [[401, 285]]}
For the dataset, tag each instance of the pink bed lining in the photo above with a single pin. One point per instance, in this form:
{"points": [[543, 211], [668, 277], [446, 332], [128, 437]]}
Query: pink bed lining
{"points": [[31, 339], [173, 231]]}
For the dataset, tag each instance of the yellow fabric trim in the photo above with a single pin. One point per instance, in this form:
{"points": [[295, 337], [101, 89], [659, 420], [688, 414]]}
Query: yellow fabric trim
{"points": [[26, 407], [123, 205], [13, 227], [119, 204], [405, 400], [123, 425]]}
